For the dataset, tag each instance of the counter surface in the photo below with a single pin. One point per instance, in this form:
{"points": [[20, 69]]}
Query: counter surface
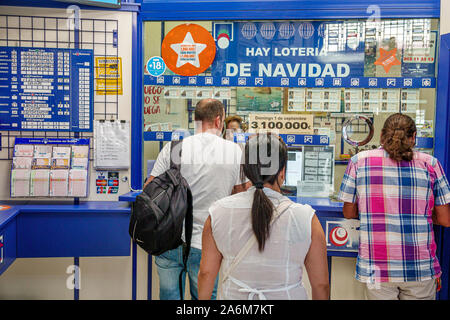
{"points": [[319, 204], [85, 207]]}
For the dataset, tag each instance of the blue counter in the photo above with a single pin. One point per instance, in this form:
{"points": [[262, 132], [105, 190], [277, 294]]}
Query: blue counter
{"points": [[100, 228], [90, 229], [330, 216]]}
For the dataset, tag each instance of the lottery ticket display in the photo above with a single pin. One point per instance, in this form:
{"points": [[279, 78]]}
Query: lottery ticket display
{"points": [[50, 168], [296, 99], [410, 100]]}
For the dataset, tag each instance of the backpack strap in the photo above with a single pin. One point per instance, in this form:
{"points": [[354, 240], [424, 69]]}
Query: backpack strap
{"points": [[173, 144], [188, 226], [189, 218], [284, 205]]}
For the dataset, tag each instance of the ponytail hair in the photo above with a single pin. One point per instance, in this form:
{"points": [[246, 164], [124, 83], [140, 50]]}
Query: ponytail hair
{"points": [[396, 137], [265, 157]]}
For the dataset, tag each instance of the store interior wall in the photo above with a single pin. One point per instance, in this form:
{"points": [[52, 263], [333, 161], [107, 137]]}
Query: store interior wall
{"points": [[101, 277]]}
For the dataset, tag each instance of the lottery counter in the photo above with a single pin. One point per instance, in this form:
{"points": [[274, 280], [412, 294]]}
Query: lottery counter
{"points": [[307, 72]]}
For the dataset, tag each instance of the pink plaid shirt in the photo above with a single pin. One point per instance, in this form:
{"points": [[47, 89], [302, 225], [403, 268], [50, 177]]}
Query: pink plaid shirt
{"points": [[395, 202]]}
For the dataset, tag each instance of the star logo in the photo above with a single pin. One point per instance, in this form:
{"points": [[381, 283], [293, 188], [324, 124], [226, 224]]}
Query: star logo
{"points": [[188, 49], [387, 59]]}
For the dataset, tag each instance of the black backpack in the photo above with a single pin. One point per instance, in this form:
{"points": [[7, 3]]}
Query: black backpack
{"points": [[157, 215]]}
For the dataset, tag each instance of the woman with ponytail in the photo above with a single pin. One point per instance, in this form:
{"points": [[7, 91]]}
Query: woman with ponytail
{"points": [[397, 193], [262, 239]]}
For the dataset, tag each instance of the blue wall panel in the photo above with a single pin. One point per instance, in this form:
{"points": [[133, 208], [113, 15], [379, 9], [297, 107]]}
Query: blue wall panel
{"points": [[8, 232], [74, 234]]}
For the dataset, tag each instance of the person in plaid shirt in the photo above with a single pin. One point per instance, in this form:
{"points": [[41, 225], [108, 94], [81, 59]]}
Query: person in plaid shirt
{"points": [[398, 194]]}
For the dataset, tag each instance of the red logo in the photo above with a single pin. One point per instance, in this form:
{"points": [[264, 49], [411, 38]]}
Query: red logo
{"points": [[338, 236], [387, 59], [188, 49]]}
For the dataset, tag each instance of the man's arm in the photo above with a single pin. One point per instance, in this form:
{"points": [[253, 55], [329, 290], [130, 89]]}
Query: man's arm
{"points": [[350, 210], [162, 164], [441, 215], [148, 181]]}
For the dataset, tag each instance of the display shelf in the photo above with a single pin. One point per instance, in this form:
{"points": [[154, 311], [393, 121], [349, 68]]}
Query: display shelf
{"points": [[67, 165]]}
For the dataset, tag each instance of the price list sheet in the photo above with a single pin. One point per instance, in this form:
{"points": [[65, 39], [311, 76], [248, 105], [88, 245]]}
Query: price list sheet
{"points": [[111, 145], [46, 89]]}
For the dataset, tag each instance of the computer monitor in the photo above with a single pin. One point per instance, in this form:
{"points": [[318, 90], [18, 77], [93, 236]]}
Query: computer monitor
{"points": [[294, 167]]}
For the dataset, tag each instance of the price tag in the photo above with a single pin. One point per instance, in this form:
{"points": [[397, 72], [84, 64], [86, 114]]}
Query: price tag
{"points": [[283, 123]]}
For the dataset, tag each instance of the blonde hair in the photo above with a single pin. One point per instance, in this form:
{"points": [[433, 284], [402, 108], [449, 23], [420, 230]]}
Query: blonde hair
{"points": [[233, 118]]}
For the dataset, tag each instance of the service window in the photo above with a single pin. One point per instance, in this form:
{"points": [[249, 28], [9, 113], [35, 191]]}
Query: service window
{"points": [[328, 69]]}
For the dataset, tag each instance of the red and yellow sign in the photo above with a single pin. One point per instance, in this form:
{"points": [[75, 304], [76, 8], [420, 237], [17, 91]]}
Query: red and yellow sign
{"points": [[188, 49]]}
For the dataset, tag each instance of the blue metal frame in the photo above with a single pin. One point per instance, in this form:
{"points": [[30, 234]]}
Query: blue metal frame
{"points": [[161, 10], [284, 9], [127, 5], [441, 152], [137, 121]]}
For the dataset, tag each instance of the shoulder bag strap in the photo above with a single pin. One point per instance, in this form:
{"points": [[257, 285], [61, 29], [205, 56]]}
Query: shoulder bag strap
{"points": [[279, 210], [172, 146]]}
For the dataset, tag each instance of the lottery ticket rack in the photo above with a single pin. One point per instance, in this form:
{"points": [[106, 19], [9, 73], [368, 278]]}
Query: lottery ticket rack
{"points": [[45, 167]]}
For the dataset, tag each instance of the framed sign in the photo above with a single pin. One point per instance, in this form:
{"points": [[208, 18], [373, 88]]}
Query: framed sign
{"points": [[283, 123]]}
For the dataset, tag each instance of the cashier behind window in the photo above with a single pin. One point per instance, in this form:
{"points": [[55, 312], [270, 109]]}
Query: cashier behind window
{"points": [[233, 124]]}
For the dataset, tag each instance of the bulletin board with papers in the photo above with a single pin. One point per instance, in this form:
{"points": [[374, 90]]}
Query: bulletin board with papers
{"points": [[111, 145]]}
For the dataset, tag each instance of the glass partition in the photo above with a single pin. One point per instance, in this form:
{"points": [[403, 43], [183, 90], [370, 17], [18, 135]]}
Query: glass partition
{"points": [[328, 69]]}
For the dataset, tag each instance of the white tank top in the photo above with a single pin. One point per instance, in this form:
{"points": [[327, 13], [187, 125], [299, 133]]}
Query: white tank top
{"points": [[275, 273]]}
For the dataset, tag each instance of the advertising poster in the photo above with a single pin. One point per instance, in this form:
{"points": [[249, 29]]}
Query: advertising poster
{"points": [[270, 51], [283, 123], [419, 58], [302, 54], [159, 109], [108, 75], [258, 99]]}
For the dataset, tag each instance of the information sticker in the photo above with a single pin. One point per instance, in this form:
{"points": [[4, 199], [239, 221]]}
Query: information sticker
{"points": [[156, 66], [283, 123]]}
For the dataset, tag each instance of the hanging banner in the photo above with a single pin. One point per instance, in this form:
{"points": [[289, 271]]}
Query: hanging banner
{"points": [[290, 50], [108, 76], [296, 54]]}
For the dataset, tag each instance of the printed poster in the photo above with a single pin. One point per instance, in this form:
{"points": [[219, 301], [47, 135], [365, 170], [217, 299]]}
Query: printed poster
{"points": [[108, 76], [264, 99]]}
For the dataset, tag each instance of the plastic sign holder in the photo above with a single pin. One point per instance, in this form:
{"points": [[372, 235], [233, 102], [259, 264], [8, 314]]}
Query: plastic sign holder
{"points": [[56, 142]]}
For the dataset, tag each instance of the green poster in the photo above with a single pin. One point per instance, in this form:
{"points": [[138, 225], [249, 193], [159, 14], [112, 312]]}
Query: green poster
{"points": [[259, 99]]}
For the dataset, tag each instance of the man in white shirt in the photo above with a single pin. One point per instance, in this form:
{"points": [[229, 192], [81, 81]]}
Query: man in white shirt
{"points": [[211, 167]]}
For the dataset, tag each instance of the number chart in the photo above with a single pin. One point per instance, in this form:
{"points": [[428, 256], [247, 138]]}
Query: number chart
{"points": [[46, 89]]}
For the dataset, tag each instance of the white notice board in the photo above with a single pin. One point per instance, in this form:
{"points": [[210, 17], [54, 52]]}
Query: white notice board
{"points": [[111, 144]]}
